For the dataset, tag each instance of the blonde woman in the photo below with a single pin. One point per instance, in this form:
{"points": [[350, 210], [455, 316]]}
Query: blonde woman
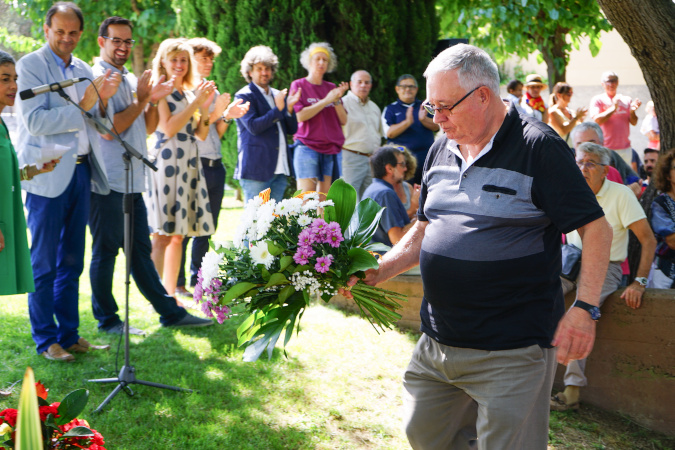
{"points": [[178, 199], [317, 158]]}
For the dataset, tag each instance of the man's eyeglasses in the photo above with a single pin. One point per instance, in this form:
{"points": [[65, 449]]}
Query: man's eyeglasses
{"points": [[117, 42], [402, 164], [407, 86], [448, 109], [588, 165]]}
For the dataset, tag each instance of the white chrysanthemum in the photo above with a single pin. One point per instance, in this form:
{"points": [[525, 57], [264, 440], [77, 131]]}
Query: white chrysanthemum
{"points": [[284, 208], [326, 203], [304, 220], [294, 205], [266, 212], [217, 245], [311, 196], [210, 267], [261, 255], [310, 205], [262, 227]]}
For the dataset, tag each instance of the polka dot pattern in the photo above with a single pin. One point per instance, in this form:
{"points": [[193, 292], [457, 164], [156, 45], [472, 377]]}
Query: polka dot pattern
{"points": [[178, 197]]}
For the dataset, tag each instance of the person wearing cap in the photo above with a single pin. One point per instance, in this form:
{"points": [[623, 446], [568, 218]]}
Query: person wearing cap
{"points": [[534, 103], [615, 113], [363, 132]]}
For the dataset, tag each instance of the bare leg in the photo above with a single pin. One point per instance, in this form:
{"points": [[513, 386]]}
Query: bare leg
{"points": [[323, 186], [306, 184], [159, 244], [172, 260]]}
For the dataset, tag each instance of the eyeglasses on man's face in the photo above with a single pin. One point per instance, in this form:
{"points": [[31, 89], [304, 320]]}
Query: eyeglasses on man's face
{"points": [[589, 165], [117, 42], [448, 109], [407, 86]]}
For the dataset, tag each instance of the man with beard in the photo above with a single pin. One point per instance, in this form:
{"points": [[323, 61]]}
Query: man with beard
{"points": [[650, 159], [135, 115], [263, 159]]}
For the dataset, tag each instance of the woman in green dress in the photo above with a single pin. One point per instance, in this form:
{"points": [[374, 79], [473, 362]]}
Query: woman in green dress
{"points": [[16, 274]]}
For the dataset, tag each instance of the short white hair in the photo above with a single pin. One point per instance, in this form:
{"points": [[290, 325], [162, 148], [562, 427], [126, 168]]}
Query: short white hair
{"points": [[305, 57], [590, 148], [474, 67], [609, 73]]}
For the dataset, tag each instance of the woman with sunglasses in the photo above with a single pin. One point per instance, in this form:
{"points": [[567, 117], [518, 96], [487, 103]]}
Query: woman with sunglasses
{"points": [[560, 116]]}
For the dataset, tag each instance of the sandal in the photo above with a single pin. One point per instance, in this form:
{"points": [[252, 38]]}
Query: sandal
{"points": [[559, 403]]}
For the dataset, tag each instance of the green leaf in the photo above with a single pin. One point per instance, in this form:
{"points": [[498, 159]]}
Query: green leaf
{"points": [[72, 405], [553, 14], [276, 279], [285, 261], [264, 273], [364, 222], [237, 291], [28, 426], [343, 196], [79, 431], [274, 249], [286, 292], [360, 259], [377, 247]]}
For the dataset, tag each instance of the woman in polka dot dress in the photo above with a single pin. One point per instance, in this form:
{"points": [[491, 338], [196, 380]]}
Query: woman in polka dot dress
{"points": [[178, 200]]}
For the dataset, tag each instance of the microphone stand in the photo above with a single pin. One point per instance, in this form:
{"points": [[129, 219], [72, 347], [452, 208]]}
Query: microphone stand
{"points": [[127, 374]]}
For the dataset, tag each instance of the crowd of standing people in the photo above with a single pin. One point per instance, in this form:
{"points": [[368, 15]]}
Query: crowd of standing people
{"points": [[483, 197]]}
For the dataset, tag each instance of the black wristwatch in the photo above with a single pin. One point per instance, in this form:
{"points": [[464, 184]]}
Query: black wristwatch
{"points": [[594, 311]]}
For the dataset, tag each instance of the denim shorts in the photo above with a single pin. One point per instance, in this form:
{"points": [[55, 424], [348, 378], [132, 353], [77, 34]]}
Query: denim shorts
{"points": [[309, 163]]}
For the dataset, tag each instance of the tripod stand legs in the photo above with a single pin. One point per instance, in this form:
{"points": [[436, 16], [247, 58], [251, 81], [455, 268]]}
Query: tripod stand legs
{"points": [[126, 377]]}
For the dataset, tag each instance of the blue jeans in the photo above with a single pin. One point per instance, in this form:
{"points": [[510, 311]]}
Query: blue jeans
{"points": [[215, 186], [106, 221], [277, 184], [57, 227]]}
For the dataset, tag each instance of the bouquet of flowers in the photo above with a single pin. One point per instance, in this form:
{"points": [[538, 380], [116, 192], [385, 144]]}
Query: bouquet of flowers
{"points": [[39, 424], [288, 252]]}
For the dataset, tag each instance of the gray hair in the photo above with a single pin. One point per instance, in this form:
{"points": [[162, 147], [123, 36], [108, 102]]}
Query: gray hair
{"points": [[585, 126], [306, 54], [589, 148], [609, 73], [260, 54], [6, 58], [474, 67]]}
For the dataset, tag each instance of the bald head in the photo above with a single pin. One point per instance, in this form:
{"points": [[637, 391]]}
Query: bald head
{"points": [[360, 84]]}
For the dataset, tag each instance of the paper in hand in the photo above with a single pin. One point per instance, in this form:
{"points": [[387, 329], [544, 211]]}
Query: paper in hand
{"points": [[50, 152]]}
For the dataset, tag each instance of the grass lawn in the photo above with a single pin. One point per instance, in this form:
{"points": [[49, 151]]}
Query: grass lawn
{"points": [[340, 387]]}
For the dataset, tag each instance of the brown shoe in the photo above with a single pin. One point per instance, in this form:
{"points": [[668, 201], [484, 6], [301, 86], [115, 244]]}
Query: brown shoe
{"points": [[560, 403], [83, 346], [56, 353]]}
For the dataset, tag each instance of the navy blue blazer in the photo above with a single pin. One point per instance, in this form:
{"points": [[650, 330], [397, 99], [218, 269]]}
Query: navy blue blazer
{"points": [[258, 135]]}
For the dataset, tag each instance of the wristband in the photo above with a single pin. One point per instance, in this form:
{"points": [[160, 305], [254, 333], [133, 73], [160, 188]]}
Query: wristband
{"points": [[206, 122], [642, 281], [227, 120], [153, 105]]}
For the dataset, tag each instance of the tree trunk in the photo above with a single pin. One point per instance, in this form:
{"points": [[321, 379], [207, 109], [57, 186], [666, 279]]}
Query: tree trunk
{"points": [[137, 61], [551, 48], [648, 27]]}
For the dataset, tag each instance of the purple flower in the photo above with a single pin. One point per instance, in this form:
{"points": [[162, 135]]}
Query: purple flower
{"points": [[198, 291], [334, 235], [303, 254], [323, 263], [320, 229], [306, 237]]}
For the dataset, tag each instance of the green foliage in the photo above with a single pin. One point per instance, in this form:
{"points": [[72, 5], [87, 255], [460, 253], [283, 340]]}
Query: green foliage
{"points": [[519, 28], [154, 21], [386, 37], [18, 43], [28, 427]]}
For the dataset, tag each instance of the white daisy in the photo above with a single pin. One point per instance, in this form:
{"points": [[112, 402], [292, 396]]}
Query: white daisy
{"points": [[304, 220], [210, 267], [261, 255]]}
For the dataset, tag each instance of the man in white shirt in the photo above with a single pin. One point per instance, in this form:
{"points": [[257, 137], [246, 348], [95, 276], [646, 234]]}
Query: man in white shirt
{"points": [[363, 132]]}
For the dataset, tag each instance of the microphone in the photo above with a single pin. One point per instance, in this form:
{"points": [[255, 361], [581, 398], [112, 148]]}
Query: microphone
{"points": [[30, 93]]}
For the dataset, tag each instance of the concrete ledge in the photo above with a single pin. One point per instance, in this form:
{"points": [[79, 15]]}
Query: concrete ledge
{"points": [[632, 367]]}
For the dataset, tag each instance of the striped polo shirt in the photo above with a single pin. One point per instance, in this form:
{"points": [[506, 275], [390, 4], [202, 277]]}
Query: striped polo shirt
{"points": [[490, 258]]}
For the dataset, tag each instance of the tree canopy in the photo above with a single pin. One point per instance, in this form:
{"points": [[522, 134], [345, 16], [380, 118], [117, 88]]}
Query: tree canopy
{"points": [[520, 27]]}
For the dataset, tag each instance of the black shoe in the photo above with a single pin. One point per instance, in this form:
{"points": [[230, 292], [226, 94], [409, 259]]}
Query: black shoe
{"points": [[191, 321], [119, 329]]}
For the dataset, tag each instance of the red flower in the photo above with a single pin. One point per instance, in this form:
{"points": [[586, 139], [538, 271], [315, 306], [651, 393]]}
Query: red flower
{"points": [[46, 410], [74, 423], [9, 416], [41, 390]]}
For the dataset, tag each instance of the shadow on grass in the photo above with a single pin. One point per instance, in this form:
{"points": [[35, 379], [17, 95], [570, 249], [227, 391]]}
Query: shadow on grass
{"points": [[226, 410]]}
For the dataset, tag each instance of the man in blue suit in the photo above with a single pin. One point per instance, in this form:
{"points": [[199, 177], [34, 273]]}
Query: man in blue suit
{"points": [[58, 202], [263, 158]]}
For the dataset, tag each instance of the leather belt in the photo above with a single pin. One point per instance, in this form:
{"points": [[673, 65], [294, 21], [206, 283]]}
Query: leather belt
{"points": [[211, 162], [82, 159], [358, 153]]}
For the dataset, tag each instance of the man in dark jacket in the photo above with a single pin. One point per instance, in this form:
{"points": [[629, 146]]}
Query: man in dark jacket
{"points": [[263, 156]]}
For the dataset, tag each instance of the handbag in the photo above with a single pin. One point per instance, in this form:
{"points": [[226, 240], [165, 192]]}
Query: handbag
{"points": [[571, 261]]}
